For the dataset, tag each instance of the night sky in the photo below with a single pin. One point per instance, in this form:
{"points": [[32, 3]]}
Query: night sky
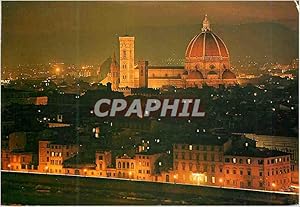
{"points": [[77, 32]]}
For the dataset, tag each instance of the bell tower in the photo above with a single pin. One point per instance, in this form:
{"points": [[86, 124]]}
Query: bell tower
{"points": [[126, 62]]}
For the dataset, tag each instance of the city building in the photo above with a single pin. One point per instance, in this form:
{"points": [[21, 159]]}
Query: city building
{"points": [[220, 162], [284, 144], [207, 61], [201, 161], [145, 165], [125, 167], [258, 168], [104, 163], [53, 154]]}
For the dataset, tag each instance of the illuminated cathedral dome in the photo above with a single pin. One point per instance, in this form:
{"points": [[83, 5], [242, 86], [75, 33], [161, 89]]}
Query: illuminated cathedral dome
{"points": [[206, 44]]}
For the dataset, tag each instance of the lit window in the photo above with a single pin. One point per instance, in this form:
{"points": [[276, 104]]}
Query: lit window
{"points": [[190, 147], [234, 160], [276, 160], [248, 161], [213, 179], [246, 144]]}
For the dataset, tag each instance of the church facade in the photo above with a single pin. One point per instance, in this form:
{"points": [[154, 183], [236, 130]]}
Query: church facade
{"points": [[207, 61]]}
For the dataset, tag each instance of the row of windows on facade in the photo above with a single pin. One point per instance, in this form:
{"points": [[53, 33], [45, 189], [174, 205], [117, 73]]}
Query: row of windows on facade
{"points": [[166, 75], [29, 167], [260, 162], [57, 146], [56, 171], [125, 165], [55, 162], [234, 171], [144, 171], [57, 154], [198, 156], [199, 147]]}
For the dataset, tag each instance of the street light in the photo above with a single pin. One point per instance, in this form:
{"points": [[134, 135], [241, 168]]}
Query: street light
{"points": [[46, 169], [175, 177], [84, 170], [273, 185], [221, 181], [130, 173]]}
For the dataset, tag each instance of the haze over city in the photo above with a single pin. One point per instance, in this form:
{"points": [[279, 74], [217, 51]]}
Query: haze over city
{"points": [[87, 32]]}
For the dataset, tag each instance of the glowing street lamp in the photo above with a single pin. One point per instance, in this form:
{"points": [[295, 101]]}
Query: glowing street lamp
{"points": [[175, 178], [221, 182], [46, 168], [130, 174]]}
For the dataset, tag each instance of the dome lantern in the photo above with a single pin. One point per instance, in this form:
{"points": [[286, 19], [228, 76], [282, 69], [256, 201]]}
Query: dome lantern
{"points": [[206, 24]]}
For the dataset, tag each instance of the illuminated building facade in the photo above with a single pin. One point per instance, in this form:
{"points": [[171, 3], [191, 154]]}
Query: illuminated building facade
{"points": [[145, 164], [207, 61], [52, 155], [218, 162]]}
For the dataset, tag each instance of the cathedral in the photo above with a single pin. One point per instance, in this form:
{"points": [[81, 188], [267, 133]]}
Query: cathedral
{"points": [[207, 61]]}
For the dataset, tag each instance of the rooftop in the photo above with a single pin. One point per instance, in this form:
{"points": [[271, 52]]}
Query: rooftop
{"points": [[206, 139], [255, 152]]}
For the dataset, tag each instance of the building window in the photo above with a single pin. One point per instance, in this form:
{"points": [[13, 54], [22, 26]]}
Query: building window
{"points": [[183, 166], [190, 147], [212, 157], [227, 160], [249, 172], [119, 164], [100, 157], [191, 166], [234, 160], [260, 162], [241, 161], [213, 179], [241, 172], [132, 166], [205, 157], [227, 171], [212, 168], [182, 156], [234, 172], [249, 183], [248, 161], [260, 173]]}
